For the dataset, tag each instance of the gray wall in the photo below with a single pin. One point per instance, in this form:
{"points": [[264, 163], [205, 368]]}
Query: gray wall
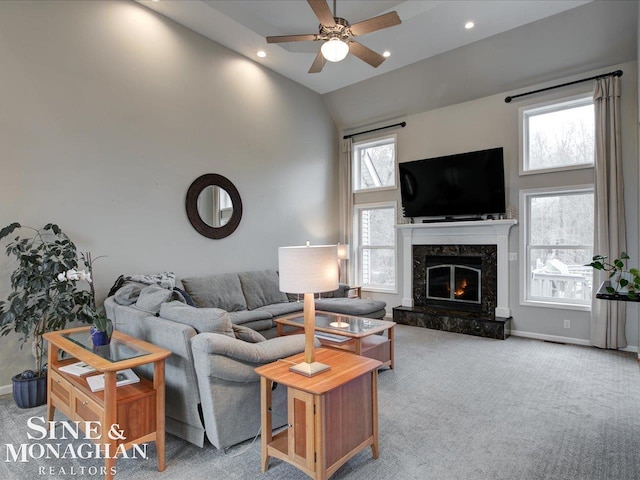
{"points": [[110, 111], [455, 103]]}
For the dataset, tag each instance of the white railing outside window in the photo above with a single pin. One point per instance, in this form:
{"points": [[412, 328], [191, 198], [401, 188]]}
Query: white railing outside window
{"points": [[558, 243]]}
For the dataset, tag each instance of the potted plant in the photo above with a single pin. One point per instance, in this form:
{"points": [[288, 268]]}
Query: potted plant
{"points": [[38, 303], [623, 281]]}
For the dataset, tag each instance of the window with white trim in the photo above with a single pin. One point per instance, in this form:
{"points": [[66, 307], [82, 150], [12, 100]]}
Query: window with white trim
{"points": [[375, 239], [374, 164], [557, 244], [557, 136]]}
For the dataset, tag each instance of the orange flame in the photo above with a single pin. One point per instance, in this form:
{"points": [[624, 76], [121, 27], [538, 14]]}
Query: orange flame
{"points": [[462, 287]]}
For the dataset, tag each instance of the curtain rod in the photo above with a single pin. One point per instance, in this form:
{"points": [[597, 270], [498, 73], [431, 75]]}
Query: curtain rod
{"points": [[401, 124], [617, 73]]}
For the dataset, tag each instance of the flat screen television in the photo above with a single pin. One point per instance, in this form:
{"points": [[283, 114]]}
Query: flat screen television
{"points": [[466, 184]]}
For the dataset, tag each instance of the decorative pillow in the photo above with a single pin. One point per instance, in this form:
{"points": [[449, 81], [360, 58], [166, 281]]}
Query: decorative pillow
{"points": [[152, 297], [216, 291], [261, 288], [210, 320], [247, 335]]}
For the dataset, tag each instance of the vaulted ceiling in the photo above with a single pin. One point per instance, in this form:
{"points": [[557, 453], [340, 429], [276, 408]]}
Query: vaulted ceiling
{"points": [[428, 28]]}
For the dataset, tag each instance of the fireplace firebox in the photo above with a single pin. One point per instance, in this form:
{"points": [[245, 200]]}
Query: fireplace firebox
{"points": [[455, 278], [454, 282]]}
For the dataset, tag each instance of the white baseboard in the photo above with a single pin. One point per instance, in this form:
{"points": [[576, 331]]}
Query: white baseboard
{"points": [[558, 339], [6, 389], [550, 338]]}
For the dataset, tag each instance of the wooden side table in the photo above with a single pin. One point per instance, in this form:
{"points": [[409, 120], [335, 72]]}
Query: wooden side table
{"points": [[332, 416], [137, 409]]}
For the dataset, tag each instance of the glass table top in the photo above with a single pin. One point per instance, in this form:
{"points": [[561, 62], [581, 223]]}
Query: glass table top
{"points": [[116, 351], [354, 325]]}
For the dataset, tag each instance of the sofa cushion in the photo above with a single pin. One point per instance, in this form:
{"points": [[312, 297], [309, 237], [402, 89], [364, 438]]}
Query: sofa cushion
{"points": [[261, 288], [351, 306], [247, 316], [210, 320], [216, 291], [279, 309], [260, 326]]}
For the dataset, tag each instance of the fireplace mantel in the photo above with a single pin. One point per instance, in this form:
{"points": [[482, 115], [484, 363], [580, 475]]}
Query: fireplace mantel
{"points": [[486, 232]]}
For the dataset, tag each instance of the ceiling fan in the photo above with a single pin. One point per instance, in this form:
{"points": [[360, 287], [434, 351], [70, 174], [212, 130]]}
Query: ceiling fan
{"points": [[338, 34]]}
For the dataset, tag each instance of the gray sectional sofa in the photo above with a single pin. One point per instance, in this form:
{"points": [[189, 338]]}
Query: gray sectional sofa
{"points": [[219, 328]]}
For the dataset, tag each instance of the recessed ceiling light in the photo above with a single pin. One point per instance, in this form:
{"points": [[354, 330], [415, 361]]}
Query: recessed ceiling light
{"points": [[155, 1], [469, 25], [261, 53], [386, 53]]}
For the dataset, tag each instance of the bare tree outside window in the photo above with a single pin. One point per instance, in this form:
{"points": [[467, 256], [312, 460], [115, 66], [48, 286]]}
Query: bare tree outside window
{"points": [[559, 136], [374, 164], [559, 221]]}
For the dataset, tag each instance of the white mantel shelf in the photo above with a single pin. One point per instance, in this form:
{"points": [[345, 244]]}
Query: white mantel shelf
{"points": [[485, 232]]}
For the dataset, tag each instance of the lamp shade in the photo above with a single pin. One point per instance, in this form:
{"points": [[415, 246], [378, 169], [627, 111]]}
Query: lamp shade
{"points": [[343, 251], [310, 269], [334, 50]]}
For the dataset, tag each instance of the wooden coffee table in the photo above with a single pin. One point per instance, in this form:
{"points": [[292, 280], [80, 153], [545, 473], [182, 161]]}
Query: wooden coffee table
{"points": [[359, 336]]}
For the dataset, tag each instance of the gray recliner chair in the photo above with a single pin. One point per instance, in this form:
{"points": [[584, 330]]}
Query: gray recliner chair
{"points": [[230, 388]]}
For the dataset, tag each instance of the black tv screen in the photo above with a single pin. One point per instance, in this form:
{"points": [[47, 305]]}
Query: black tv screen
{"points": [[456, 185]]}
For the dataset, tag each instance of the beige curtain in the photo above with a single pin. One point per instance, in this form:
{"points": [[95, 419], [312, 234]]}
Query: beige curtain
{"points": [[346, 204], [608, 317]]}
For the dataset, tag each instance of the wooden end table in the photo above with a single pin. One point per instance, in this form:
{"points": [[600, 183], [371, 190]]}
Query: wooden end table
{"points": [[332, 415], [137, 409], [361, 334]]}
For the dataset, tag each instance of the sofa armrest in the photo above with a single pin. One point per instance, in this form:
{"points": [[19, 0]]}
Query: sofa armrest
{"points": [[234, 360], [342, 291]]}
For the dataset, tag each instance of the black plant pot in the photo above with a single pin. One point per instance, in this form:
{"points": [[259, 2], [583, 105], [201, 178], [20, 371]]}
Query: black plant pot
{"points": [[29, 392]]}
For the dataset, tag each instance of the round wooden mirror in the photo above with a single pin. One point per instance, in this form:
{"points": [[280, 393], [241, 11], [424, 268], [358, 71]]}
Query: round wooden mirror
{"points": [[213, 206]]}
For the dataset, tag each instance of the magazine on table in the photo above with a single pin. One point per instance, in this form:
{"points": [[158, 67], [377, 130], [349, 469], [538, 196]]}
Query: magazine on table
{"points": [[78, 369], [123, 377]]}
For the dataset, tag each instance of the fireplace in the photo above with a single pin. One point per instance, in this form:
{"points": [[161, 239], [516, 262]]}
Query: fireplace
{"points": [[455, 278], [454, 282], [470, 263]]}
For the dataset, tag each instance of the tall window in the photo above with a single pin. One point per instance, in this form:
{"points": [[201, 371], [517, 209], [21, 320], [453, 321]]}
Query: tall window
{"points": [[558, 244], [557, 136], [375, 238], [557, 236], [374, 164]]}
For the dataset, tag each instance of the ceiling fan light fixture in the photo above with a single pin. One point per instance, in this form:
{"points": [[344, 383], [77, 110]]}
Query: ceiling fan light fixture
{"points": [[334, 50]]}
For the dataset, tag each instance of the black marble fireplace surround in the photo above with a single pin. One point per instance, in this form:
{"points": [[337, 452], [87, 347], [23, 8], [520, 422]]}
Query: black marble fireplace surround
{"points": [[455, 318]]}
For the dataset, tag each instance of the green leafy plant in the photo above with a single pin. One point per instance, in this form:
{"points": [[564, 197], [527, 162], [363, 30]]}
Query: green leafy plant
{"points": [[39, 302], [621, 278]]}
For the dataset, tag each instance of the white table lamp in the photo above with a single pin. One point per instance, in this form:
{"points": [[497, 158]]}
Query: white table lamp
{"points": [[308, 270]]}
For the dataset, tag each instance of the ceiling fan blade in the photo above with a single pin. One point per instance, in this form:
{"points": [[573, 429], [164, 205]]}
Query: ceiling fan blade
{"points": [[318, 63], [390, 19], [292, 38], [365, 54], [323, 12]]}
